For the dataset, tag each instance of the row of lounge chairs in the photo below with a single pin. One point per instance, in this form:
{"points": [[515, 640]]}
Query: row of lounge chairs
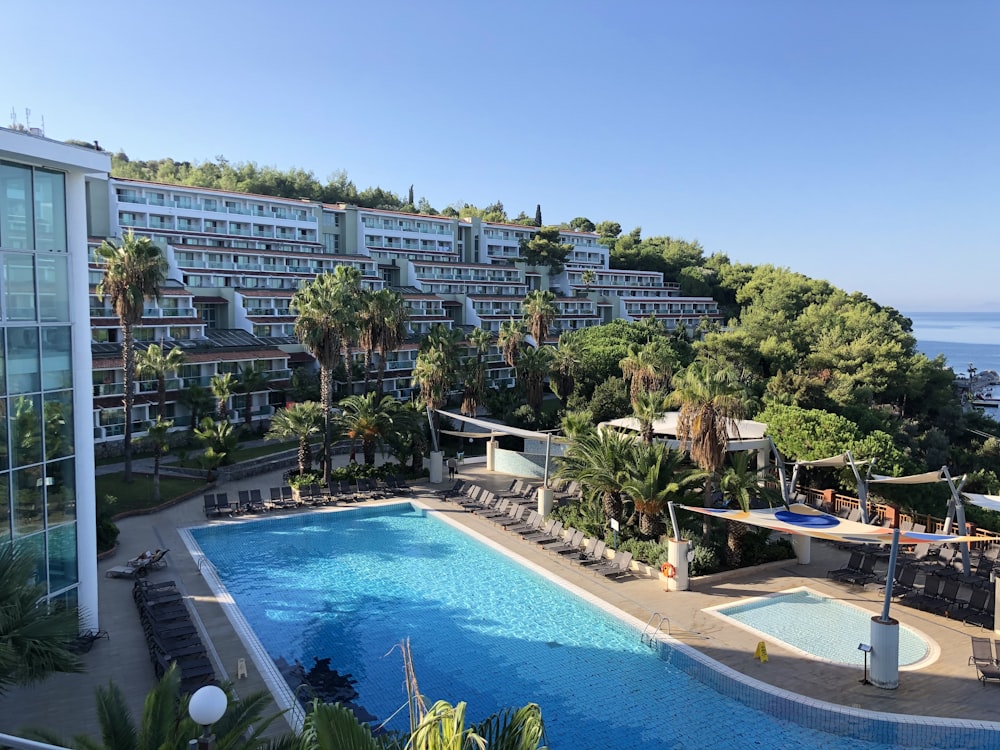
{"points": [[171, 635], [512, 510], [987, 662], [283, 498]]}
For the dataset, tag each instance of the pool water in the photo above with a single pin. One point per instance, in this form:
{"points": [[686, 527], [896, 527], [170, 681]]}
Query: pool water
{"points": [[818, 626], [351, 585]]}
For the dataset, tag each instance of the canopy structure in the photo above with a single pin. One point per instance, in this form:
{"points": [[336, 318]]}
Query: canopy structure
{"points": [[989, 502], [744, 434], [483, 435], [832, 462], [808, 521], [926, 478]]}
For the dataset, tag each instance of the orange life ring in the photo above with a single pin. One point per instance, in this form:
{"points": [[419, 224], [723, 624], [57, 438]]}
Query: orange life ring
{"points": [[668, 570]]}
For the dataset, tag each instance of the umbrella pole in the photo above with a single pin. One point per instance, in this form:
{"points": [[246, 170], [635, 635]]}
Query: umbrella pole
{"points": [[890, 577]]}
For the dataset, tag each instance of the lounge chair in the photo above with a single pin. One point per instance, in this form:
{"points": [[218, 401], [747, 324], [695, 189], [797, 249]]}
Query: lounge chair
{"points": [[853, 566], [223, 504], [927, 596], [516, 514], [596, 557], [211, 509], [85, 641], [982, 651], [553, 537], [865, 574], [617, 567], [582, 554], [256, 501], [544, 532], [947, 600], [980, 614], [569, 543], [401, 484], [528, 524]]}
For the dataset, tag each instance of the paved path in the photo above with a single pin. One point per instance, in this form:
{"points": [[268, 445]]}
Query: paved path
{"points": [[948, 687]]}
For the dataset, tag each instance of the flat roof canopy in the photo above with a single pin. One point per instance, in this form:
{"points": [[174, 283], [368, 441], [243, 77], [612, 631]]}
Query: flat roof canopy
{"points": [[744, 434]]}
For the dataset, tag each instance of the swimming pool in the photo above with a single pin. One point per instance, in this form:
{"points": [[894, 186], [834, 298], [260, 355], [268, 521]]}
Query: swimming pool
{"points": [[483, 628], [821, 627]]}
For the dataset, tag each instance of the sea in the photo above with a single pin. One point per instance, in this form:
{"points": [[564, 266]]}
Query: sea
{"points": [[963, 338]]}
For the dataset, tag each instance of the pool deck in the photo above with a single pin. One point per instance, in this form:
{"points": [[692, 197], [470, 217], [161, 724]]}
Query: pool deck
{"points": [[946, 688]]}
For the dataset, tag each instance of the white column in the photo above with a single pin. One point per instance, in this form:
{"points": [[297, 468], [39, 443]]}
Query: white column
{"points": [[436, 466], [491, 454], [83, 403], [802, 545], [677, 555], [545, 501], [996, 590], [885, 653]]}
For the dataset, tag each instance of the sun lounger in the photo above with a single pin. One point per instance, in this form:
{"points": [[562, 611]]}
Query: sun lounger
{"points": [[568, 547], [528, 523], [552, 537], [543, 532], [596, 557], [853, 566], [515, 514], [585, 553], [85, 641], [982, 651], [617, 567], [223, 505], [865, 574], [211, 509]]}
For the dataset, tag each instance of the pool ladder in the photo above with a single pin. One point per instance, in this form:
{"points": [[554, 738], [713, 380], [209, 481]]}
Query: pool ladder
{"points": [[649, 632]]}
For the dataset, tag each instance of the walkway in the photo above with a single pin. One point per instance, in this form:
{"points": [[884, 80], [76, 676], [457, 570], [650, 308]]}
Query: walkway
{"points": [[948, 687]]}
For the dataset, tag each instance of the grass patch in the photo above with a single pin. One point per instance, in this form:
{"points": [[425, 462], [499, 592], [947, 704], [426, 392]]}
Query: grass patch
{"points": [[139, 494]]}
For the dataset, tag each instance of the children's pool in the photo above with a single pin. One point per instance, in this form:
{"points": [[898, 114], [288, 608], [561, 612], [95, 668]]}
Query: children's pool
{"points": [[349, 586], [821, 627]]}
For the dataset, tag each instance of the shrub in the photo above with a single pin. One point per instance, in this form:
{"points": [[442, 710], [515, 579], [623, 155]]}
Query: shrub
{"points": [[649, 552], [706, 560], [107, 530]]}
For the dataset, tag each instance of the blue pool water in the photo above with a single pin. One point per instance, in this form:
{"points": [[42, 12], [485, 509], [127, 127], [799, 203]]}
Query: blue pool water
{"points": [[351, 585], [819, 626]]}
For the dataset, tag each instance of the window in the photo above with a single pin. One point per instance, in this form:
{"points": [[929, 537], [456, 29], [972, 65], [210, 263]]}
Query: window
{"points": [[16, 219], [22, 360], [50, 210], [19, 286]]}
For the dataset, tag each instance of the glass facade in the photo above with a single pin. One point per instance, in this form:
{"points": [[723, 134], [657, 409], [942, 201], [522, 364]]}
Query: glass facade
{"points": [[37, 468]]}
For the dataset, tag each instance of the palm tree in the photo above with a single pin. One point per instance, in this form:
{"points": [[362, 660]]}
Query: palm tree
{"points": [[372, 420], [156, 362], [510, 340], [166, 725], [657, 476], [531, 371], [159, 438], [317, 329], [34, 637], [711, 400], [134, 270], [565, 365], [647, 367], [433, 371], [649, 407], [198, 401], [475, 372], [574, 424], [346, 291], [222, 385], [298, 422], [539, 313], [599, 462], [588, 277], [382, 328], [745, 486], [253, 379]]}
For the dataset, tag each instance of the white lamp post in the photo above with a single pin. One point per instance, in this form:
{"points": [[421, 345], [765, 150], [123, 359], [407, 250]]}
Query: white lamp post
{"points": [[207, 706]]}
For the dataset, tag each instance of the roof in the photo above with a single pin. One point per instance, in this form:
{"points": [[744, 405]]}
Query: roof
{"points": [[745, 429], [300, 202]]}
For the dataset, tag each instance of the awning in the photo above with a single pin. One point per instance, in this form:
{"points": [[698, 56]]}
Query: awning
{"points": [[473, 434], [990, 502], [927, 478], [822, 463], [805, 520]]}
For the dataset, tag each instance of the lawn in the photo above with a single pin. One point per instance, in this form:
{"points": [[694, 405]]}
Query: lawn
{"points": [[139, 494]]}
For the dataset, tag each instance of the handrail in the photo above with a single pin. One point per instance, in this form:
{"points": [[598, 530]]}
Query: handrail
{"points": [[652, 633], [20, 743]]}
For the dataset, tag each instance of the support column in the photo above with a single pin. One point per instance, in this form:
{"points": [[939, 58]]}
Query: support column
{"points": [[436, 466], [996, 590], [677, 555], [545, 501], [885, 653], [802, 545], [491, 454]]}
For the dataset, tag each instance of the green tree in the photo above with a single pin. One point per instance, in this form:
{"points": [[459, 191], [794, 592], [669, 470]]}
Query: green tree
{"points": [[545, 249], [475, 372], [582, 224], [647, 368], [299, 422], [436, 366], [253, 378], [539, 313], [155, 362], [532, 369], [599, 462], [166, 725], [743, 485], [510, 341], [588, 277], [346, 291], [648, 407], [610, 400], [219, 441], [373, 420], [318, 330], [133, 271], [34, 636], [382, 323], [223, 386], [711, 401], [159, 438], [538, 214], [565, 365], [657, 476]]}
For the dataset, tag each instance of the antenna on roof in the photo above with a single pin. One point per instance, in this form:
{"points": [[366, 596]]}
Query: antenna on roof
{"points": [[13, 117], [27, 118]]}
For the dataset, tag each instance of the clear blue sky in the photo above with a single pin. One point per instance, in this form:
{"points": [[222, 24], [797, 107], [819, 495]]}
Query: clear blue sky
{"points": [[851, 140]]}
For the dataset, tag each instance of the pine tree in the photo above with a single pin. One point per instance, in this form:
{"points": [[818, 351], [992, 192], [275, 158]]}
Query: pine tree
{"points": [[538, 214]]}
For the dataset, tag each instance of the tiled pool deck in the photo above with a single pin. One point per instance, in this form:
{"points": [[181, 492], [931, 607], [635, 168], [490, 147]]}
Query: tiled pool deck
{"points": [[946, 688]]}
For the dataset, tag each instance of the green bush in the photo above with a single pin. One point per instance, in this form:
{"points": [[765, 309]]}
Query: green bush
{"points": [[107, 530], [706, 560], [648, 552]]}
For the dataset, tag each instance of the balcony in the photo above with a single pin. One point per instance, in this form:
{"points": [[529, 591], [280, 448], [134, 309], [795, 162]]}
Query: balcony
{"points": [[238, 210], [130, 198]]}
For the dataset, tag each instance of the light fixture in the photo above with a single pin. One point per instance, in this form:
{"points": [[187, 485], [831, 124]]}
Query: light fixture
{"points": [[207, 706]]}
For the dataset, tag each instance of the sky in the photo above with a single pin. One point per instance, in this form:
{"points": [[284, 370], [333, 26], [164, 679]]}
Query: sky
{"points": [[849, 140]]}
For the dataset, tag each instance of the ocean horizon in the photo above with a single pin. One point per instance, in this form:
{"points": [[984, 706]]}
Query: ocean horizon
{"points": [[963, 338]]}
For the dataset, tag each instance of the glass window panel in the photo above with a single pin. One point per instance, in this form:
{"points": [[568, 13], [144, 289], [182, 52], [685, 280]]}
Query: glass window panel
{"points": [[57, 351], [60, 492], [26, 489], [4, 449], [19, 286], [53, 288], [4, 508], [16, 221], [3, 365], [33, 548], [22, 360], [50, 210], [62, 557], [26, 430], [58, 425]]}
